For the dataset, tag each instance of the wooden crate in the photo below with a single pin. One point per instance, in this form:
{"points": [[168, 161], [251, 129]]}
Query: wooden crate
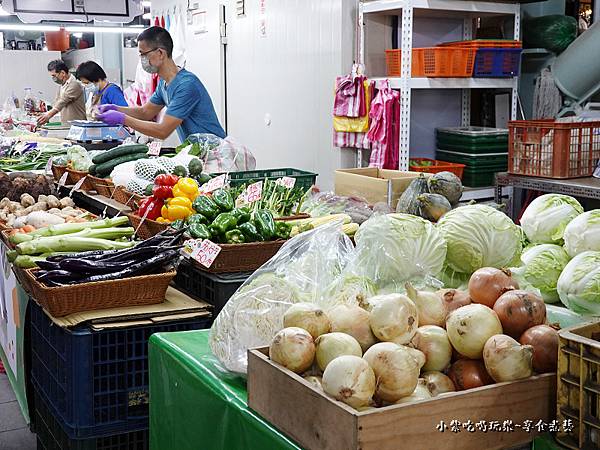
{"points": [[316, 421]]}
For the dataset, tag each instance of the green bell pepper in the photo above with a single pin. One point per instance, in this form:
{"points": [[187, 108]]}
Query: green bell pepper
{"points": [[282, 230], [223, 223], [265, 225], [197, 218], [178, 224], [242, 214], [223, 200], [250, 233], [235, 237], [206, 206], [200, 231]]}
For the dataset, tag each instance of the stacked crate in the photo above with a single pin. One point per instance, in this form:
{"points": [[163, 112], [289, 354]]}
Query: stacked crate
{"points": [[484, 151]]}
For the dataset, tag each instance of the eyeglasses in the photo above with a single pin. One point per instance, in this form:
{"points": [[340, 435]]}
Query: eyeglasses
{"points": [[149, 51]]}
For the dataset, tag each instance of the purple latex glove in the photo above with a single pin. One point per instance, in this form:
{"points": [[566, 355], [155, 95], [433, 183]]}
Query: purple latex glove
{"points": [[105, 108], [112, 118]]}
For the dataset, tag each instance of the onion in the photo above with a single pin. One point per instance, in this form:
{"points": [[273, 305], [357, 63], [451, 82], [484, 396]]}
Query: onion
{"points": [[394, 318], [469, 328], [316, 381], [507, 360], [544, 340], [352, 320], [396, 369], [489, 283], [420, 393], [332, 345], [469, 374], [519, 311], [350, 379], [438, 383], [454, 299], [293, 348], [430, 306], [417, 355], [309, 317], [433, 342]]}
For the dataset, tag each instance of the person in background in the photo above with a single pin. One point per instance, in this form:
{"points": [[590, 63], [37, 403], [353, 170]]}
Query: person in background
{"points": [[189, 107], [69, 101], [93, 77]]}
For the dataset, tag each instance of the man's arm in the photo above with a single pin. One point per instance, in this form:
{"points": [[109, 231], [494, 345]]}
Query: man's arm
{"points": [[160, 130], [144, 113]]}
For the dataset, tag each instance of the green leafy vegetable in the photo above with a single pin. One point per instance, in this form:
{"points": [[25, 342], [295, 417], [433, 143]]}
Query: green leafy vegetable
{"points": [[546, 217]]}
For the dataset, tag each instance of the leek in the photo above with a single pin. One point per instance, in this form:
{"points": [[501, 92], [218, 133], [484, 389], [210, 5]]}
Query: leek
{"points": [[69, 244], [27, 261]]}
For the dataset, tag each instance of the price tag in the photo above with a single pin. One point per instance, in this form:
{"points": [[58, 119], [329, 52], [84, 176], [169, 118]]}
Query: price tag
{"points": [[190, 245], [63, 179], [288, 182], [206, 253], [254, 192], [214, 184], [77, 186], [48, 169], [154, 148]]}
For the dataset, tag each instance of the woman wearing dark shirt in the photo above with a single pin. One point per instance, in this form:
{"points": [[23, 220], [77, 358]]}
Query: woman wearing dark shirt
{"points": [[94, 79]]}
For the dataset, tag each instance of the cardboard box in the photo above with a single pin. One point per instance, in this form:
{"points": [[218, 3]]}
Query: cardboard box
{"points": [[373, 184], [318, 422]]}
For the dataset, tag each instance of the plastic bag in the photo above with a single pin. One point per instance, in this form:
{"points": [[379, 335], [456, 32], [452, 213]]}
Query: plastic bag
{"points": [[320, 204], [304, 270], [229, 156], [201, 144], [554, 32], [79, 158]]}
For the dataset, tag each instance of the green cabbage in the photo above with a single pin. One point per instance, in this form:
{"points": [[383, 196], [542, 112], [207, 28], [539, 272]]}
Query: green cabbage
{"points": [[395, 248], [579, 284], [546, 217], [479, 236], [583, 233], [542, 265]]}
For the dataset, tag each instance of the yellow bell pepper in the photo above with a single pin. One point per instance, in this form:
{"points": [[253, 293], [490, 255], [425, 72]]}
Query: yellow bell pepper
{"points": [[164, 212], [163, 220], [182, 201], [177, 208], [186, 187]]}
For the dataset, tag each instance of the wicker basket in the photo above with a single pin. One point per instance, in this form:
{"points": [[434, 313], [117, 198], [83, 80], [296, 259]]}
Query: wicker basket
{"points": [[296, 217], [126, 198], [58, 171], [148, 229], [242, 257], [133, 291], [22, 278], [103, 186], [76, 175]]}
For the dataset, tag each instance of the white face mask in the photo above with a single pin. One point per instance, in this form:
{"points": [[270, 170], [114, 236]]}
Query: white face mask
{"points": [[147, 66], [91, 89]]}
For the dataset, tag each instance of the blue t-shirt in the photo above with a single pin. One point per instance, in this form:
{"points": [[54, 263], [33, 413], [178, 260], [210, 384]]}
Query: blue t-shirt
{"points": [[112, 94], [187, 99]]}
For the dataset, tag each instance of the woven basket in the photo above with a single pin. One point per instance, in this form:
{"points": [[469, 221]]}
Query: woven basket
{"points": [[148, 229], [76, 175], [126, 198], [22, 278], [296, 217], [242, 257], [133, 291], [58, 171], [103, 186]]}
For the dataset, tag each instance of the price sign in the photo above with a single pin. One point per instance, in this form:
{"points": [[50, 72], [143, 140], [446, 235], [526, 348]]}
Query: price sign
{"points": [[288, 182], [189, 246], [63, 179], [77, 186], [206, 253], [254, 192], [48, 169], [154, 148], [214, 184]]}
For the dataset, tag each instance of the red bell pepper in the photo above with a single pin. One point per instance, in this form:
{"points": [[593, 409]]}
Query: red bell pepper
{"points": [[150, 207], [166, 180], [162, 192]]}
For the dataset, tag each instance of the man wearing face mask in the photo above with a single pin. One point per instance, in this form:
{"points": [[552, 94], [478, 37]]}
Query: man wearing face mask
{"points": [[70, 100], [189, 107]]}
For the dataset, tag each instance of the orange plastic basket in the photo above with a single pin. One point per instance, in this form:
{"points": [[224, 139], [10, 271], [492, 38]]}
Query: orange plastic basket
{"points": [[434, 62], [438, 166], [484, 43], [549, 149], [393, 60]]}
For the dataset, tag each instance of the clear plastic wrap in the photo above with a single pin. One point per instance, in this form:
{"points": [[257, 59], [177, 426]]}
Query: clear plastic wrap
{"points": [[320, 204]]}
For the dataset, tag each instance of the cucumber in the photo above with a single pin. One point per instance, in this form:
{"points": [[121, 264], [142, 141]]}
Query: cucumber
{"points": [[92, 169], [107, 167], [121, 150]]}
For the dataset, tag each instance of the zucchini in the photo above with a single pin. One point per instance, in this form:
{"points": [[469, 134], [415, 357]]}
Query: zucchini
{"points": [[121, 150], [107, 167]]}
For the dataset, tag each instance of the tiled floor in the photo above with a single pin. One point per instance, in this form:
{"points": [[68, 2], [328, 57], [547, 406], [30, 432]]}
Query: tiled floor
{"points": [[14, 433]]}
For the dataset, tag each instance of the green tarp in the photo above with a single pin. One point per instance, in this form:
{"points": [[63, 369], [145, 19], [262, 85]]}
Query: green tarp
{"points": [[196, 404]]}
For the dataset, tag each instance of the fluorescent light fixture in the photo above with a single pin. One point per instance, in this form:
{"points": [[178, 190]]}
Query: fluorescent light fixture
{"points": [[78, 35], [5, 13], [124, 30], [147, 16], [26, 27], [146, 4]]}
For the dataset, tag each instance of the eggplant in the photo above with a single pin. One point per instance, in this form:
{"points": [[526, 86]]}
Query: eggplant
{"points": [[58, 276], [137, 253], [85, 266], [48, 265]]}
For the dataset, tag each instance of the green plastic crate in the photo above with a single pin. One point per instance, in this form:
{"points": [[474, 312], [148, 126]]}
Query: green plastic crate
{"points": [[303, 178], [473, 139], [450, 145], [479, 178], [488, 160]]}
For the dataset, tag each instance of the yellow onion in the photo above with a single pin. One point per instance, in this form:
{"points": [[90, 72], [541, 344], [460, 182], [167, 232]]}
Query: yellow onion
{"points": [[469, 327], [293, 348], [433, 342], [332, 345], [349, 379], [418, 355], [396, 369], [309, 317], [438, 383], [393, 318], [420, 393], [430, 306], [352, 320], [507, 360], [316, 381]]}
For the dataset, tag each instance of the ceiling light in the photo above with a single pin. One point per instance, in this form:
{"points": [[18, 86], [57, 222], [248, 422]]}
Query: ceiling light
{"points": [[78, 35], [3, 12], [124, 30], [147, 16], [26, 27], [146, 4]]}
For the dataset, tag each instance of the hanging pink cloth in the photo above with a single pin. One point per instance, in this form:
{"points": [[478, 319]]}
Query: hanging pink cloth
{"points": [[350, 96], [385, 128]]}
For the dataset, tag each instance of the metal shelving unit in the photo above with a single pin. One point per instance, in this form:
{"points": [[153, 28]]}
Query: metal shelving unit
{"points": [[407, 10]]}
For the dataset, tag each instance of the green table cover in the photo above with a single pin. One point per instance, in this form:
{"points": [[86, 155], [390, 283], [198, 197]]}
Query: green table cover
{"points": [[195, 404]]}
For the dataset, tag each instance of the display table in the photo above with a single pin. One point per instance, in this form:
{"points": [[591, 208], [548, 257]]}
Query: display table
{"points": [[195, 404], [577, 187]]}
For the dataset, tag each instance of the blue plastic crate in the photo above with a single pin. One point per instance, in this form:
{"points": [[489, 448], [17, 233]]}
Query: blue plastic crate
{"points": [[95, 382], [497, 62]]}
